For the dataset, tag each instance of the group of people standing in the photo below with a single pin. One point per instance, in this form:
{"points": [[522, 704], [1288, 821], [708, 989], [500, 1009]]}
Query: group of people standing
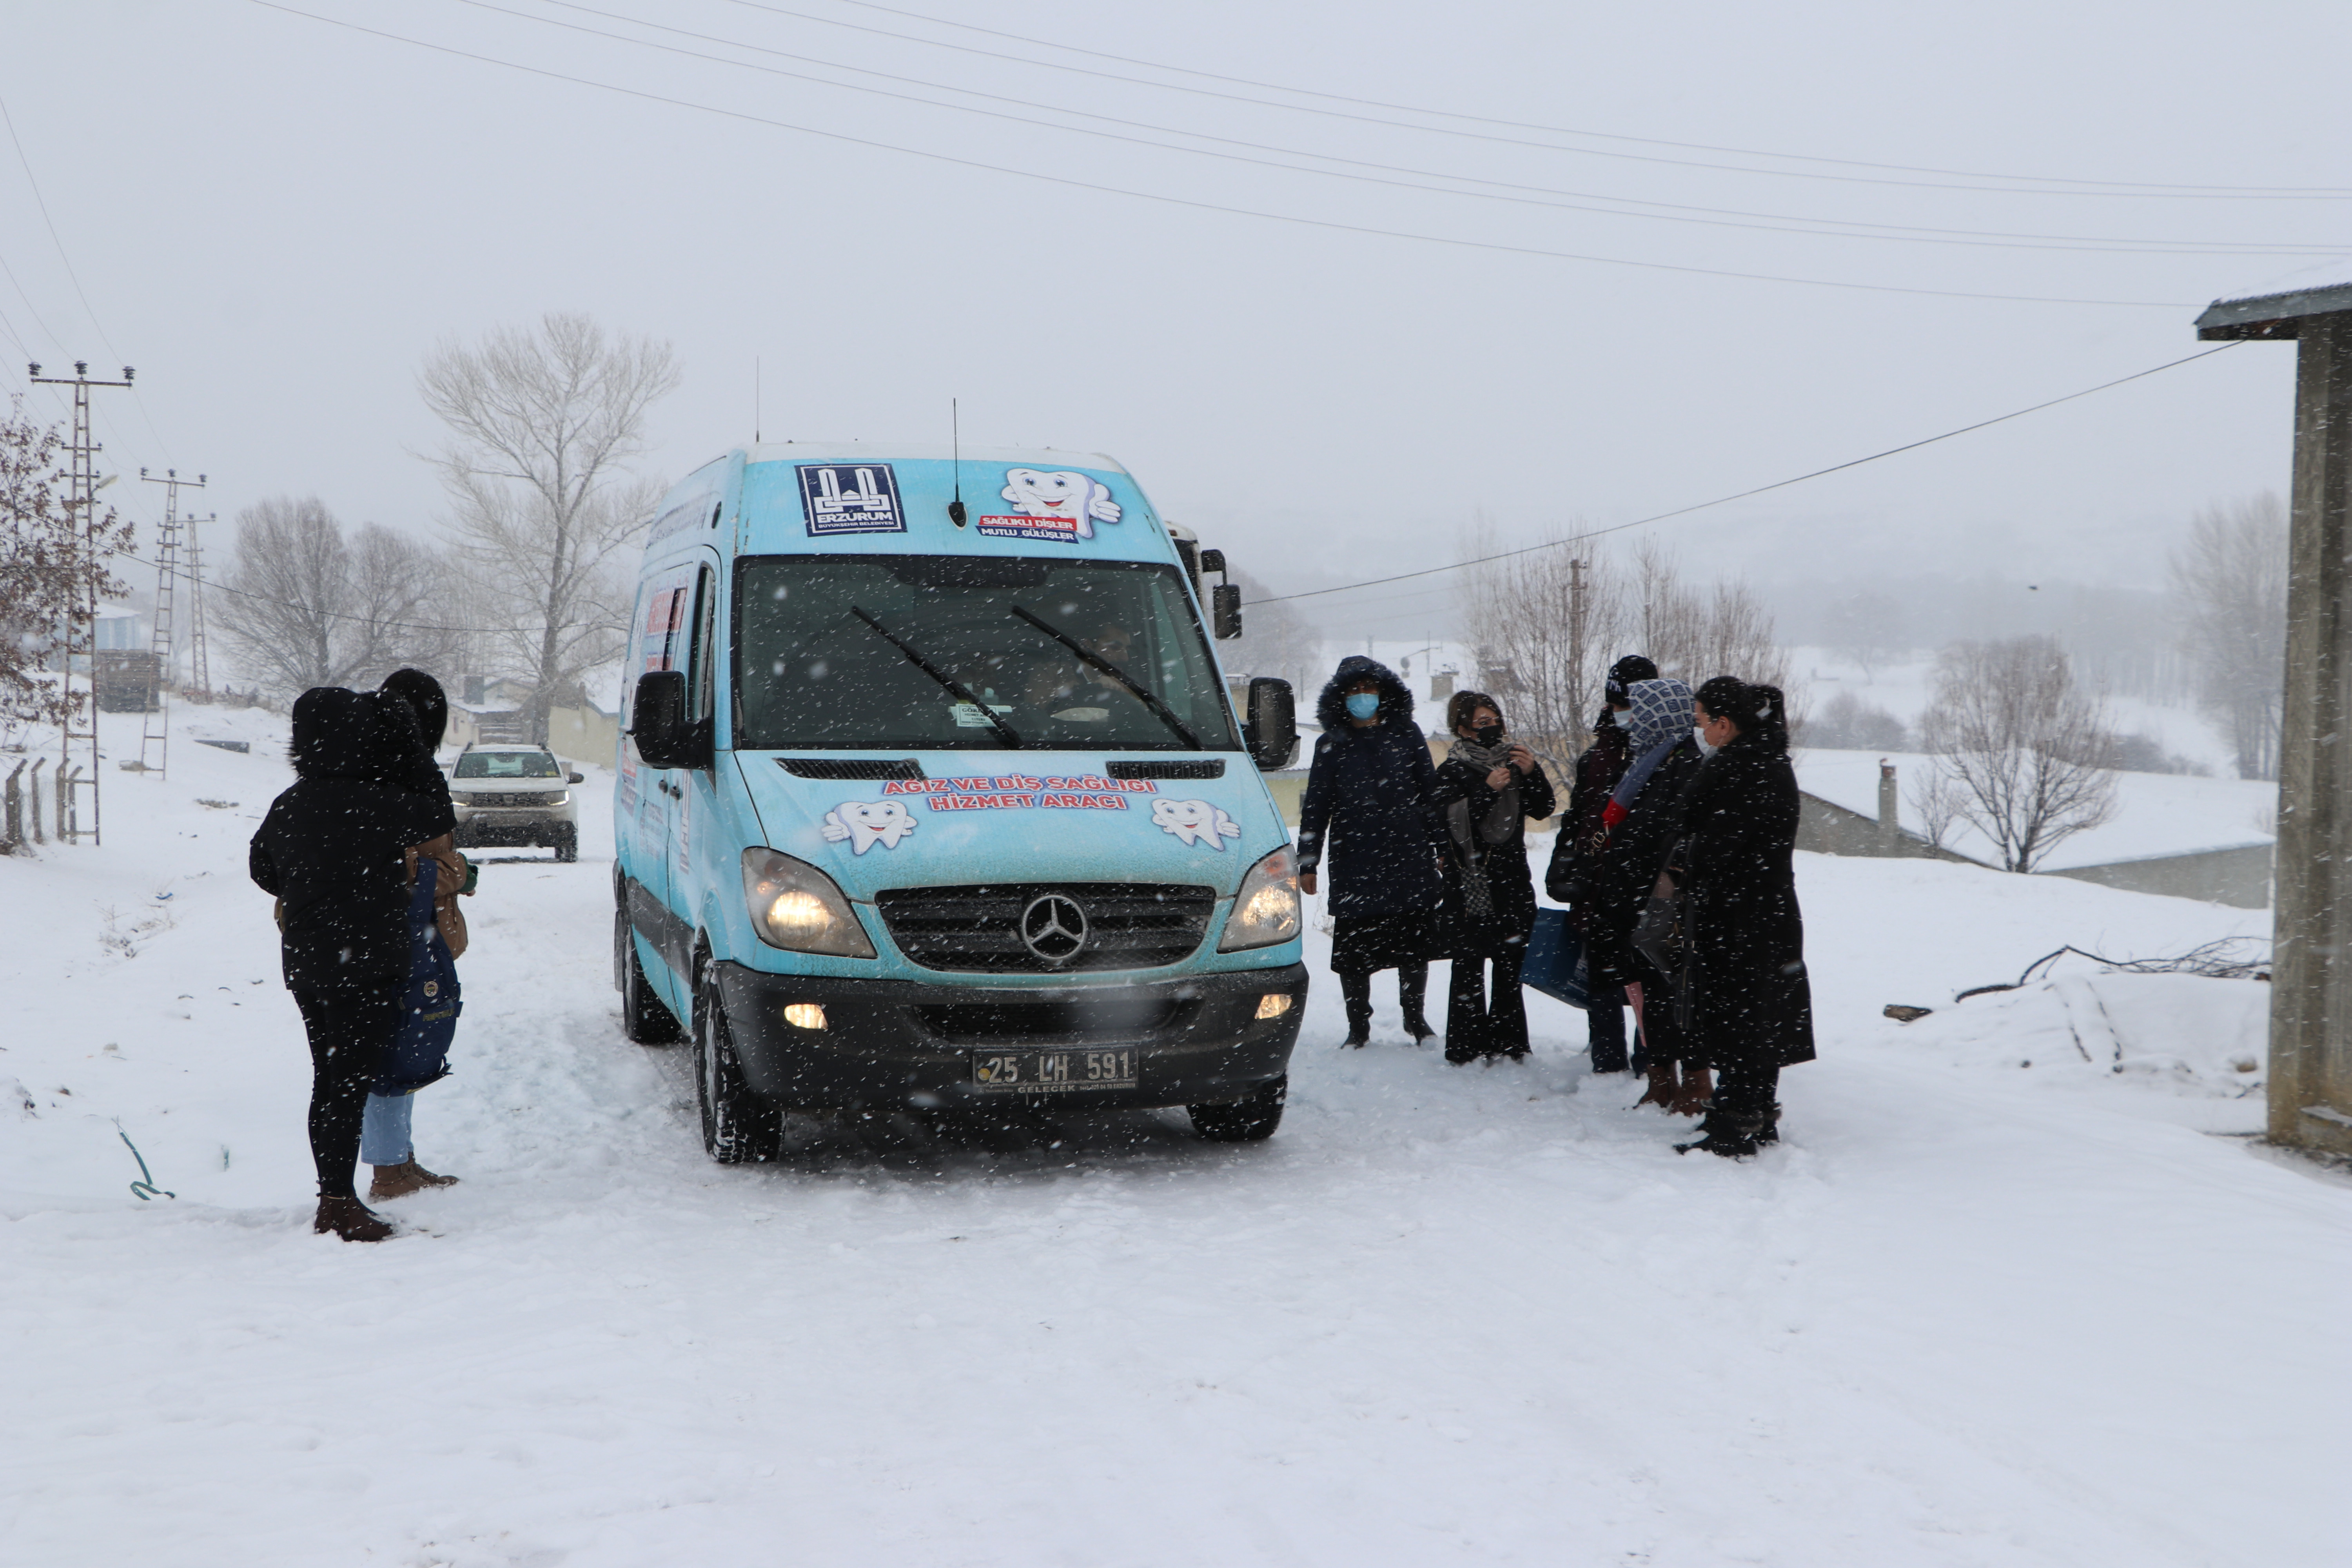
{"points": [[361, 855], [1674, 858]]}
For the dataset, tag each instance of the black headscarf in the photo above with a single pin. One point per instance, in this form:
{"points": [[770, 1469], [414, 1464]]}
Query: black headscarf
{"points": [[1758, 710], [425, 695]]}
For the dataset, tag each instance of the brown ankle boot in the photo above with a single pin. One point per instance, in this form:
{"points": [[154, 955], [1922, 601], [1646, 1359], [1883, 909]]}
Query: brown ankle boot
{"points": [[351, 1219], [409, 1176]]}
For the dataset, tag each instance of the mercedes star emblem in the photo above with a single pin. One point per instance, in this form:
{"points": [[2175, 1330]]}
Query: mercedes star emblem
{"points": [[1054, 928]]}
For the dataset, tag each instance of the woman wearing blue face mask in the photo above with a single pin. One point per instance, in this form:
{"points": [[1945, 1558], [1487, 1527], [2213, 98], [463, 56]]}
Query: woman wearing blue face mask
{"points": [[1369, 801]]}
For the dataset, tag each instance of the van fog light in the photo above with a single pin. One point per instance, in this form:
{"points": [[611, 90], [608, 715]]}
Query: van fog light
{"points": [[1272, 1005], [811, 1015]]}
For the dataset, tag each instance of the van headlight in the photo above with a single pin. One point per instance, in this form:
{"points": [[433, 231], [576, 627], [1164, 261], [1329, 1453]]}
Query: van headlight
{"points": [[1265, 911], [798, 907]]}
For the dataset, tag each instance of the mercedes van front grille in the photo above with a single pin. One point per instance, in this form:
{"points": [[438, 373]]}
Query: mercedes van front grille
{"points": [[978, 930]]}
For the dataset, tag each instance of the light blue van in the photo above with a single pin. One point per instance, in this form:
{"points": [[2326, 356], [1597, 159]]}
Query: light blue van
{"points": [[932, 795]]}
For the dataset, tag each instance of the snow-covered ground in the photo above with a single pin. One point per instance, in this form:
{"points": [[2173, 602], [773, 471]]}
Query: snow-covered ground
{"points": [[1974, 1312]]}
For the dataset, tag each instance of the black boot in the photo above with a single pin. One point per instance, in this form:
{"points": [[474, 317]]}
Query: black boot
{"points": [[1770, 1133], [1356, 991], [1728, 1132], [1412, 992]]}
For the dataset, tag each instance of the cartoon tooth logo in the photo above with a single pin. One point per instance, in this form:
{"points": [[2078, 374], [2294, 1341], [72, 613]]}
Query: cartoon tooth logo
{"points": [[1036, 493], [1196, 822], [866, 823]]}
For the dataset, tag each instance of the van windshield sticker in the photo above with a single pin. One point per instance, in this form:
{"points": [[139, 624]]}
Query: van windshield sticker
{"points": [[1060, 507], [850, 498]]}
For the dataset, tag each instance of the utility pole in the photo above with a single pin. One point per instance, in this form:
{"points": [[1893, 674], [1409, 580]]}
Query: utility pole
{"points": [[81, 629], [200, 674], [155, 735]]}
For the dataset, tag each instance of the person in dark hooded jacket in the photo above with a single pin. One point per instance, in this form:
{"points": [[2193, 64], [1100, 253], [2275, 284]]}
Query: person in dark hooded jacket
{"points": [[384, 1131], [1644, 817], [1369, 801], [1487, 790], [332, 850], [1749, 1002], [1577, 846]]}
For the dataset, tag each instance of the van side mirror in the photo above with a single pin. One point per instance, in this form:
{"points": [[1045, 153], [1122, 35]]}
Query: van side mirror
{"points": [[658, 723], [1225, 610], [1270, 728]]}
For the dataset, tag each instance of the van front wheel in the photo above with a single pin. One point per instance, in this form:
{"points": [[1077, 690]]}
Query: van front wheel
{"points": [[738, 1126], [1249, 1120]]}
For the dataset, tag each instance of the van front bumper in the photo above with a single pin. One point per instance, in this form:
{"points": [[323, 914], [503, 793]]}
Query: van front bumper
{"points": [[1199, 1039]]}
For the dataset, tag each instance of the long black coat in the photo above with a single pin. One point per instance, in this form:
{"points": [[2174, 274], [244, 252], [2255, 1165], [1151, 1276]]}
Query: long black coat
{"points": [[1576, 849], [1627, 870], [1750, 1001], [331, 847], [1503, 865], [1368, 802]]}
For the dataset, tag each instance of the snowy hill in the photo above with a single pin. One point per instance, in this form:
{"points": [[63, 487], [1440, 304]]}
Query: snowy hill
{"points": [[2016, 1291]]}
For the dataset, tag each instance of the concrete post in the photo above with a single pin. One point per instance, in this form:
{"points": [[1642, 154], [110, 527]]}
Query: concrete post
{"points": [[2311, 992], [1890, 811]]}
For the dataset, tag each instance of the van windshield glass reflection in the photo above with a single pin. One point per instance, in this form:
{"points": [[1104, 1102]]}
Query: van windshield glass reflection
{"points": [[810, 673]]}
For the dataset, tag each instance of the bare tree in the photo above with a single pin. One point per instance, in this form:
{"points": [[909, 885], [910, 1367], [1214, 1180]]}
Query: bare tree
{"points": [[2022, 744], [2230, 579], [1937, 797], [305, 607], [543, 426], [1546, 624], [51, 568], [1848, 723], [1556, 619]]}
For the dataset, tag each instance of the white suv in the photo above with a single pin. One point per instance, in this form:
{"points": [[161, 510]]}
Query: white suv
{"points": [[515, 794]]}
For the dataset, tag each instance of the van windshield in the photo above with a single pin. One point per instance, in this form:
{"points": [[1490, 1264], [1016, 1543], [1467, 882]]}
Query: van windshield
{"points": [[826, 651]]}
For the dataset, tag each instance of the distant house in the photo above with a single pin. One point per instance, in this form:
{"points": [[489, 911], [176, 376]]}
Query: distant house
{"points": [[2188, 837], [490, 711]]}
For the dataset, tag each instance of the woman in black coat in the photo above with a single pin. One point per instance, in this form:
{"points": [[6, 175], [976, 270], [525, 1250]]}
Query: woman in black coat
{"points": [[332, 850], [1746, 996], [1486, 792], [1368, 798], [1577, 846]]}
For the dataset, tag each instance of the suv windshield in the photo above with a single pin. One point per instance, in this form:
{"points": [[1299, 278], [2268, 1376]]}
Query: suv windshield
{"points": [[826, 649], [508, 766]]}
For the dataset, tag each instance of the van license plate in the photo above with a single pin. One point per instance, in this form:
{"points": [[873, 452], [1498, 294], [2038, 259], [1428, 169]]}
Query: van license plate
{"points": [[1054, 1072]]}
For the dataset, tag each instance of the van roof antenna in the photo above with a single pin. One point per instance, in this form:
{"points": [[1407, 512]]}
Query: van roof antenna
{"points": [[955, 447]]}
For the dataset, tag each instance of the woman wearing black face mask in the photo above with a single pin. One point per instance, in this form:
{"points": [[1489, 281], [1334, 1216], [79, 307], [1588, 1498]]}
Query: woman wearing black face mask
{"points": [[1749, 1007], [1488, 791]]}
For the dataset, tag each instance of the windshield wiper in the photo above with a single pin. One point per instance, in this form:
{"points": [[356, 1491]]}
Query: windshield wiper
{"points": [[961, 691], [1094, 661]]}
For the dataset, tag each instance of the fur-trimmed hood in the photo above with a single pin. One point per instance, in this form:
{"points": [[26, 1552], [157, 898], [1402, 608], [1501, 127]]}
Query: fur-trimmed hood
{"points": [[1331, 706]]}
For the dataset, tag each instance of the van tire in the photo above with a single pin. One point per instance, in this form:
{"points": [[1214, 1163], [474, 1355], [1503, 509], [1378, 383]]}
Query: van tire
{"points": [[567, 843], [1250, 1119], [645, 1018], [738, 1128]]}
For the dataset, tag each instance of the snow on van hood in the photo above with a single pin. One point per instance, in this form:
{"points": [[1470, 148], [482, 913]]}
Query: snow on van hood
{"points": [[1004, 816]]}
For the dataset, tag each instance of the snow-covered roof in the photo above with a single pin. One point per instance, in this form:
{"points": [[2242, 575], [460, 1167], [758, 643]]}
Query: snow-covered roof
{"points": [[2157, 815]]}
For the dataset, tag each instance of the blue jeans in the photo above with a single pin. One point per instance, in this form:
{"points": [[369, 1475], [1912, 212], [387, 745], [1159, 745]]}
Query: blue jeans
{"points": [[1604, 1023], [383, 1135]]}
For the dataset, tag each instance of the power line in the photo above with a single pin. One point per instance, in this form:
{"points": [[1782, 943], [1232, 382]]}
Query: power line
{"points": [[1671, 212], [1743, 495], [1294, 218], [2119, 187]]}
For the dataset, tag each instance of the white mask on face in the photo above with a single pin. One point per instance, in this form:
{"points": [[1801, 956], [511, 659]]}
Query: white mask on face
{"points": [[1705, 749]]}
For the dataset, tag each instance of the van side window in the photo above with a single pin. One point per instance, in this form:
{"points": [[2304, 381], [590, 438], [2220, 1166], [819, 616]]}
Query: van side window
{"points": [[704, 677]]}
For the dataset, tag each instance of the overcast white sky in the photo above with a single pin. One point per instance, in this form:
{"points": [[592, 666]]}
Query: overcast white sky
{"points": [[275, 218]]}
